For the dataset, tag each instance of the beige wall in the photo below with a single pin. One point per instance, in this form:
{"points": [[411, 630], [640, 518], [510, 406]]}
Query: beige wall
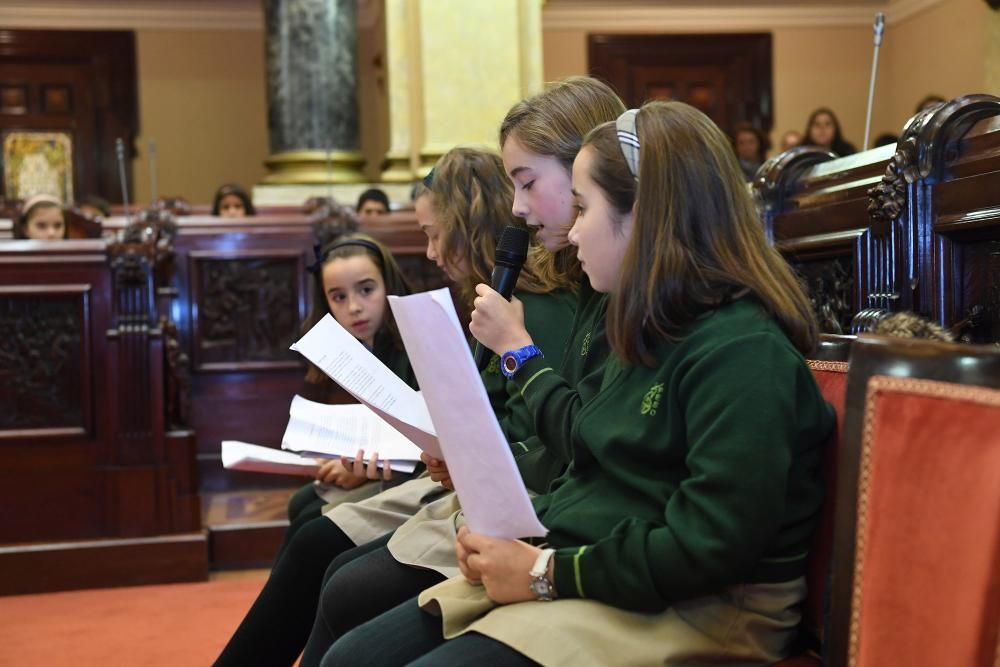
{"points": [[830, 66], [202, 99], [812, 67], [941, 50]]}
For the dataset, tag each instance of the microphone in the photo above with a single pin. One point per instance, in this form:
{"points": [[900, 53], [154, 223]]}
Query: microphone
{"points": [[120, 154], [512, 251], [154, 195], [879, 28]]}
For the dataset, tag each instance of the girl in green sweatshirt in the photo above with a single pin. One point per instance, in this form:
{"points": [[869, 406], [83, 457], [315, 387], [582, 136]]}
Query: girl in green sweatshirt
{"points": [[679, 533], [540, 136], [473, 215]]}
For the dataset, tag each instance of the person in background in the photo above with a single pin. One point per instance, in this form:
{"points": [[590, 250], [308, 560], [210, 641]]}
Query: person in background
{"points": [[41, 219], [93, 206], [910, 325], [823, 130], [885, 139], [790, 140], [232, 201], [928, 102], [372, 205], [751, 147]]}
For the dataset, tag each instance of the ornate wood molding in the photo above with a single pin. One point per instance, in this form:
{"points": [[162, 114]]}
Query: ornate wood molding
{"points": [[150, 15], [571, 15]]}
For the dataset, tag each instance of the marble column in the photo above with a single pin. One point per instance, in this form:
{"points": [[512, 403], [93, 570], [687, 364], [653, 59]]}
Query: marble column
{"points": [[454, 69], [312, 91]]}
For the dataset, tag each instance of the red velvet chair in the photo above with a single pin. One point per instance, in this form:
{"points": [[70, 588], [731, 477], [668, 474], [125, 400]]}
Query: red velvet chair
{"points": [[916, 563]]}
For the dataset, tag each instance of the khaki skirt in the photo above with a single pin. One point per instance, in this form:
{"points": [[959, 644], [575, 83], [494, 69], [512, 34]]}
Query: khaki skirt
{"points": [[334, 495], [383, 513], [749, 624], [427, 539]]}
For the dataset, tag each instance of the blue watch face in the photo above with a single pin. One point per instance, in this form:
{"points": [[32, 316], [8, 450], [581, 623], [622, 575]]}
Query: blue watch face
{"points": [[511, 361]]}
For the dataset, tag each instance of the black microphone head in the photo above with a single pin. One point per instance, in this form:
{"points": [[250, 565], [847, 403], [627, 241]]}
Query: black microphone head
{"points": [[512, 249]]}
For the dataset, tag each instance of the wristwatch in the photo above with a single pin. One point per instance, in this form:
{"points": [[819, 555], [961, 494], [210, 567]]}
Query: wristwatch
{"points": [[511, 361], [541, 585]]}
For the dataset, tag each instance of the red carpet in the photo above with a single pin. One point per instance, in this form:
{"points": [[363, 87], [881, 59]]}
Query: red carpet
{"points": [[176, 624]]}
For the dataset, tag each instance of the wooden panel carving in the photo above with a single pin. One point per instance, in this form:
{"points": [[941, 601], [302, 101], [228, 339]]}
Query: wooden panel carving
{"points": [[43, 360], [830, 285], [249, 310]]}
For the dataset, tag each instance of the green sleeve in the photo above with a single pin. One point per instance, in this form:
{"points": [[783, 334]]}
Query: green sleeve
{"points": [[744, 404], [538, 465], [553, 401], [548, 319]]}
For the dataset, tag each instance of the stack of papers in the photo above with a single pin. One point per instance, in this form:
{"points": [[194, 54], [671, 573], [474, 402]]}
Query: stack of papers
{"points": [[351, 365], [244, 456], [332, 431], [456, 423]]}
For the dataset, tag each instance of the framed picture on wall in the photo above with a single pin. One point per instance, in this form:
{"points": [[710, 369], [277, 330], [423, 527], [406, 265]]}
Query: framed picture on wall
{"points": [[38, 163]]}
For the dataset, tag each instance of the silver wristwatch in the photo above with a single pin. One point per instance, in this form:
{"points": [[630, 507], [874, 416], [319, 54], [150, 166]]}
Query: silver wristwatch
{"points": [[541, 585]]}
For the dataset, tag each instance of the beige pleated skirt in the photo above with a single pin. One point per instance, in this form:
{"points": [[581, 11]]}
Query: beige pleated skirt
{"points": [[427, 539], [334, 495], [383, 513], [749, 624]]}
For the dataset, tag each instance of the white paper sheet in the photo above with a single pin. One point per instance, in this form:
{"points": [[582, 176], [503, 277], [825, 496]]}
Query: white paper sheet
{"points": [[487, 480], [341, 430], [244, 456], [351, 365]]}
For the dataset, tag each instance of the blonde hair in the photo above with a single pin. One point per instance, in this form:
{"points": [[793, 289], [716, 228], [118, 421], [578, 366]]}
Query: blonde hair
{"points": [[697, 241], [554, 122], [472, 200]]}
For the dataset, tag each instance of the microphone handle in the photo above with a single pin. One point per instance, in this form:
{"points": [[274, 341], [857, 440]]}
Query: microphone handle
{"points": [[504, 279]]}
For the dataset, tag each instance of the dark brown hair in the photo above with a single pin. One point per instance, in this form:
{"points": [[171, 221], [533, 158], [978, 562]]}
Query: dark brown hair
{"points": [[838, 144], [697, 241], [238, 192], [352, 245], [21, 224]]}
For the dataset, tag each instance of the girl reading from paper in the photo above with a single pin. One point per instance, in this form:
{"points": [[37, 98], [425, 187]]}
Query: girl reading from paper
{"points": [[352, 275], [474, 209], [540, 136], [679, 533]]}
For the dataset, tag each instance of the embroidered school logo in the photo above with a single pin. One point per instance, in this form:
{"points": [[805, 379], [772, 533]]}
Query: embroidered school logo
{"points": [[585, 347], [494, 367], [651, 401]]}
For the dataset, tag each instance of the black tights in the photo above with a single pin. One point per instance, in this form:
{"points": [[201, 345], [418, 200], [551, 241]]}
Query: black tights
{"points": [[277, 625], [406, 635], [359, 585], [304, 506]]}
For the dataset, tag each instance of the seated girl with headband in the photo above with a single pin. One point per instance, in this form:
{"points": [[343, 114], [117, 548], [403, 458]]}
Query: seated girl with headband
{"points": [[467, 213], [352, 275], [41, 219], [679, 533]]}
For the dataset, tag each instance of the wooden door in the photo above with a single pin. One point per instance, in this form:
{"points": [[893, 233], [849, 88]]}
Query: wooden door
{"points": [[726, 76], [71, 83]]}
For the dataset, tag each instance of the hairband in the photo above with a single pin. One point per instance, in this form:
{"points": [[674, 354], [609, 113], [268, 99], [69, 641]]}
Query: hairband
{"points": [[628, 139], [428, 180], [321, 256], [38, 199]]}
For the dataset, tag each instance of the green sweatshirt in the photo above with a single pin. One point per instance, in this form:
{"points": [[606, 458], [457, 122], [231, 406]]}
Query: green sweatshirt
{"points": [[697, 474], [393, 357], [554, 397], [548, 318]]}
